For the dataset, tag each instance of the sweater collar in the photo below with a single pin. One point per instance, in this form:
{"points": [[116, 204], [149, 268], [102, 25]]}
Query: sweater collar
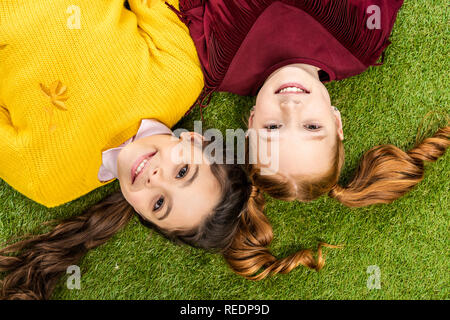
{"points": [[148, 127]]}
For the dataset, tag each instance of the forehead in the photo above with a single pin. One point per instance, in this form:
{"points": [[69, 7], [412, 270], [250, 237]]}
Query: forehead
{"points": [[299, 155]]}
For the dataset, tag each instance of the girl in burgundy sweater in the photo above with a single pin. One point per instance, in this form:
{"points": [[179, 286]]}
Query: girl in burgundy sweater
{"points": [[282, 52]]}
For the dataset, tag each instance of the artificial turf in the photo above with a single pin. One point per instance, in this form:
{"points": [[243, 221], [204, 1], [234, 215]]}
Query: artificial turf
{"points": [[408, 240]]}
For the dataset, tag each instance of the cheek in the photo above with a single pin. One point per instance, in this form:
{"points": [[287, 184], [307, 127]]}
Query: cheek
{"points": [[322, 98], [138, 200], [124, 160], [264, 99], [170, 155], [265, 111], [120, 164]]}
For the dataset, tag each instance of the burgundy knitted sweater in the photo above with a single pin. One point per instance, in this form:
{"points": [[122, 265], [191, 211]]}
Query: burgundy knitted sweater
{"points": [[241, 42]]}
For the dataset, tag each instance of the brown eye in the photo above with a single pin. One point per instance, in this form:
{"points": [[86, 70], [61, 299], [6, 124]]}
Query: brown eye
{"points": [[312, 127], [158, 204], [183, 171], [270, 127]]}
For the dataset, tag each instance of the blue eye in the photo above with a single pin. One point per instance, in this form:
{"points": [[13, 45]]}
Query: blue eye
{"points": [[158, 204], [183, 171]]}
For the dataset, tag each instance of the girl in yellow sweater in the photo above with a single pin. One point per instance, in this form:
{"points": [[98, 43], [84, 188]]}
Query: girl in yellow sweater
{"points": [[76, 79], [88, 92]]}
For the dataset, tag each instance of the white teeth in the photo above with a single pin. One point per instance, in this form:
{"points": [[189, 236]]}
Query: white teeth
{"points": [[141, 166], [291, 89]]}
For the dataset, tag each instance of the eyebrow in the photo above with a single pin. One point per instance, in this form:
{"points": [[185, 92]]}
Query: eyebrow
{"points": [[318, 137], [187, 183], [310, 137], [191, 179], [169, 208]]}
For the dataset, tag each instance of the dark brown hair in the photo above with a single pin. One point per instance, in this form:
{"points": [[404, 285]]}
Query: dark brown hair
{"points": [[34, 265]]}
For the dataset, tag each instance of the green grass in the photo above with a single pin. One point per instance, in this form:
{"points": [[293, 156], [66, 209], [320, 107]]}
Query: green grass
{"points": [[408, 239]]}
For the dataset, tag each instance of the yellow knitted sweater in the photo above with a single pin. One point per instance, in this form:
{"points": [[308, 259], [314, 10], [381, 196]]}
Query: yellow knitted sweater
{"points": [[76, 78]]}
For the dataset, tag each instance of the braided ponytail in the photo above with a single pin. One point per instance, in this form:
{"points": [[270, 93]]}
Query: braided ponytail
{"points": [[248, 252], [40, 261], [386, 173], [34, 265]]}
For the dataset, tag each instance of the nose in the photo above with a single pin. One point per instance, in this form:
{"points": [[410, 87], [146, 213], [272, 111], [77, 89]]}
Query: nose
{"points": [[289, 104], [153, 177]]}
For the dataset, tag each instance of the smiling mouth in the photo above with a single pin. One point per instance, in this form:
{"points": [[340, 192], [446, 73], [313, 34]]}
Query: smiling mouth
{"points": [[292, 88], [140, 165]]}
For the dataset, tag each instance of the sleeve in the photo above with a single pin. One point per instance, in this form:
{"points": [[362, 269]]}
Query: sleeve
{"points": [[161, 26], [9, 152], [8, 133]]}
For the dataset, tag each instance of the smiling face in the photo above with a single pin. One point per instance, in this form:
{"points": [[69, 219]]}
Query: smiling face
{"points": [[171, 190], [293, 109]]}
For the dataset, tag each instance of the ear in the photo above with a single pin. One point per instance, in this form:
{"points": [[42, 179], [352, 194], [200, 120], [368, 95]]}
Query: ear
{"points": [[195, 137], [337, 115], [250, 118]]}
